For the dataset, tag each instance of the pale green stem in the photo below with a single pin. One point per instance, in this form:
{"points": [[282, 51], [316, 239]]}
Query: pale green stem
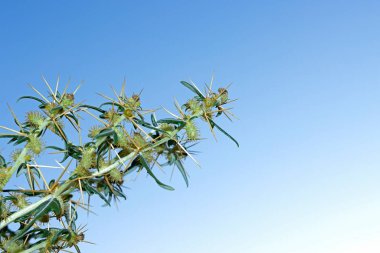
{"points": [[23, 211], [114, 165], [35, 247]]}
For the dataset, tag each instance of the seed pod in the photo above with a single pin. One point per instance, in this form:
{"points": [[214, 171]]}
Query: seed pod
{"points": [[81, 171], [139, 141], [136, 97], [115, 176], [67, 100], [16, 154], [20, 201], [122, 138], [167, 127], [112, 116], [192, 131], [34, 144], [193, 106], [75, 238], [135, 102], [35, 119], [81, 236], [128, 113], [131, 105], [94, 131], [44, 218], [88, 158], [223, 95], [210, 102]]}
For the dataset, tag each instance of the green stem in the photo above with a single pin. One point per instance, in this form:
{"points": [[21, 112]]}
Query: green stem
{"points": [[35, 247], [23, 211]]}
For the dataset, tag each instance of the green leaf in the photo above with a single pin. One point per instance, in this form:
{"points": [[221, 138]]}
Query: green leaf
{"points": [[33, 98], [181, 169], [72, 215], [153, 119], [9, 136], [20, 140], [77, 248], [146, 166], [105, 132], [101, 144], [193, 88], [213, 124], [112, 104], [3, 163], [92, 190], [93, 108], [72, 115], [21, 169], [55, 148], [28, 193], [172, 121], [147, 125]]}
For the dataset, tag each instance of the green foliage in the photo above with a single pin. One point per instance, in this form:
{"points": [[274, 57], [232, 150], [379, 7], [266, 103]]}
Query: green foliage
{"points": [[125, 138]]}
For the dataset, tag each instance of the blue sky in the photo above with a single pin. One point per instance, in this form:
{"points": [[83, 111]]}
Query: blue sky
{"points": [[306, 74]]}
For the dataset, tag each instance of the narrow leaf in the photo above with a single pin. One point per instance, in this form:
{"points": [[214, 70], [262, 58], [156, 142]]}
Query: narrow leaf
{"points": [[147, 125], [193, 88], [146, 166], [33, 98], [213, 124], [93, 108], [171, 121], [153, 119], [105, 132], [181, 169]]}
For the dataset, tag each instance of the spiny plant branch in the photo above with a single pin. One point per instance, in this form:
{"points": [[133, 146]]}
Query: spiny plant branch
{"points": [[124, 142]]}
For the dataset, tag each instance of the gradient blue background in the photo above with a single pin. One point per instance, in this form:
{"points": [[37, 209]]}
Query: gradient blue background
{"points": [[306, 73]]}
